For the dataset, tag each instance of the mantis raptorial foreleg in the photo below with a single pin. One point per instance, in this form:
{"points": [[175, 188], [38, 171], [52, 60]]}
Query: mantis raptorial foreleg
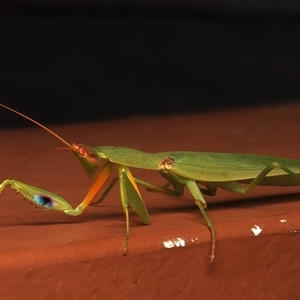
{"points": [[105, 193], [129, 196]]}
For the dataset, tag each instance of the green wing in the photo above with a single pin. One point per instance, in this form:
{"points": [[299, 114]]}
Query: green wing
{"points": [[220, 167]]}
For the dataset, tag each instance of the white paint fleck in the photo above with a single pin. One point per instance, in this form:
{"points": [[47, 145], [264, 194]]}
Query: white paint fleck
{"points": [[194, 240], [177, 242], [283, 220], [256, 230]]}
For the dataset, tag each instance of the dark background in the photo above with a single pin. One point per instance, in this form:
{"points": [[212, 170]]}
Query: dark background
{"points": [[69, 61]]}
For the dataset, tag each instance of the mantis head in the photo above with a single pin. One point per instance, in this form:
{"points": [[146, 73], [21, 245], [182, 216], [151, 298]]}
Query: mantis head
{"points": [[87, 155]]}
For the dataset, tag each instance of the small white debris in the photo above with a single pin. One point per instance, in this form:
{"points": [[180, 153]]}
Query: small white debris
{"points": [[194, 240], [177, 242], [256, 230], [283, 220]]}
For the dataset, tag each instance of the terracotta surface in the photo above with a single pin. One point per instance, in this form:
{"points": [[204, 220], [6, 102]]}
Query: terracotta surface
{"points": [[49, 255]]}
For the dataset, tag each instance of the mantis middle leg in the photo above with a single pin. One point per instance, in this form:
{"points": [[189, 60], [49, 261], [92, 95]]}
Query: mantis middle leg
{"points": [[149, 186]]}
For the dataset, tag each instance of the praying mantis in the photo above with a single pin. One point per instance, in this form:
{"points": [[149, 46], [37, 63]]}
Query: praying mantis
{"points": [[201, 173]]}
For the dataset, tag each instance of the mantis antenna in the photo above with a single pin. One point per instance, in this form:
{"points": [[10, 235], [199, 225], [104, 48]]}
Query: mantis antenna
{"points": [[39, 124]]}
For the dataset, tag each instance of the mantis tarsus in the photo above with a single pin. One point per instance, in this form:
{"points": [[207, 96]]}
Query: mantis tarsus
{"points": [[199, 172]]}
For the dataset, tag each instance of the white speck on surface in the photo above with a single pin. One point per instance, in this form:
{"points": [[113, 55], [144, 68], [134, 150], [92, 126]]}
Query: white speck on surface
{"points": [[256, 230], [283, 220], [194, 240], [177, 242]]}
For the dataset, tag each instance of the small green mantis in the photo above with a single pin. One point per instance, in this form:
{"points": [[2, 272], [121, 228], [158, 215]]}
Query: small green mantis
{"points": [[199, 172]]}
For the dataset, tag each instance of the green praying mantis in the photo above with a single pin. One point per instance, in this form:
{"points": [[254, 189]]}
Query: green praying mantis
{"points": [[198, 172]]}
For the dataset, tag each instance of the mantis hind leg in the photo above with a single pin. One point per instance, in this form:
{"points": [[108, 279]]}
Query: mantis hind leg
{"points": [[237, 187]]}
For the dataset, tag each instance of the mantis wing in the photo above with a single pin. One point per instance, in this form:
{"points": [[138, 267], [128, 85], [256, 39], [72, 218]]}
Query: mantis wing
{"points": [[221, 167]]}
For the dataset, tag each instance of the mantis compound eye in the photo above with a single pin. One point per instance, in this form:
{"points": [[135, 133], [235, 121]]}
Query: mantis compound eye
{"points": [[88, 157]]}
